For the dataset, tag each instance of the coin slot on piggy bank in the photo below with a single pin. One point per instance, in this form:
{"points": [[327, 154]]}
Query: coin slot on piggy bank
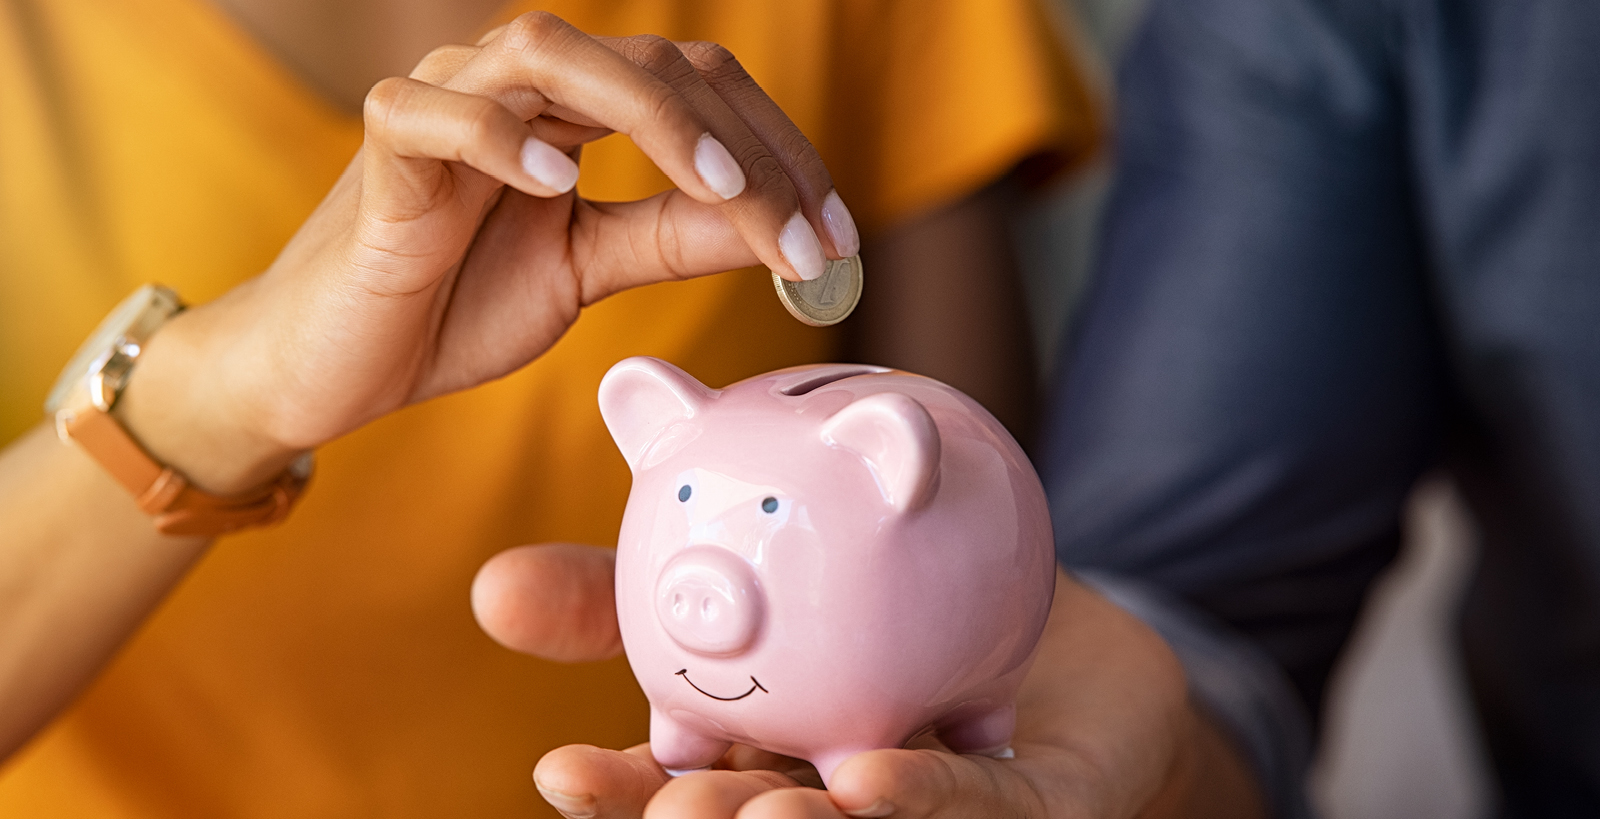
{"points": [[823, 561], [811, 379]]}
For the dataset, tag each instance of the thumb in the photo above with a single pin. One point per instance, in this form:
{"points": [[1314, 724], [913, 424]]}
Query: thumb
{"points": [[553, 600]]}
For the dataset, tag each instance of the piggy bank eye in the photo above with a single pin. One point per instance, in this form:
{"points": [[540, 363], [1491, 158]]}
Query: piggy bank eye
{"points": [[769, 505], [684, 492]]}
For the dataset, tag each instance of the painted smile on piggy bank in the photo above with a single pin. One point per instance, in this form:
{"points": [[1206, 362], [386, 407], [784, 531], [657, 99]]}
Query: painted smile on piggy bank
{"points": [[755, 685], [873, 542]]}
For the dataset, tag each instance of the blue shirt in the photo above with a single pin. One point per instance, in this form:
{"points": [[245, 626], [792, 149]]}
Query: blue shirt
{"points": [[1349, 241]]}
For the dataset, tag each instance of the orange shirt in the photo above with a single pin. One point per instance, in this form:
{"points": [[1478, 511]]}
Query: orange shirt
{"points": [[331, 666]]}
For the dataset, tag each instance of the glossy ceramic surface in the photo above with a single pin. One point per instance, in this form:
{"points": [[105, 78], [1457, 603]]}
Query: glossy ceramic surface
{"points": [[822, 561]]}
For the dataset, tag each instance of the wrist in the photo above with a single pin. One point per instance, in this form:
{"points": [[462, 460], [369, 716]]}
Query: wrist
{"points": [[183, 407]]}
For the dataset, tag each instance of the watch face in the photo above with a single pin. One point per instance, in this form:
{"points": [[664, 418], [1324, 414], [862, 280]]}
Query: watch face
{"points": [[136, 317]]}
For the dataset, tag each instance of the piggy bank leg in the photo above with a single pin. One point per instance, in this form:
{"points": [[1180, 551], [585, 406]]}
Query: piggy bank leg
{"points": [[681, 749], [987, 733], [827, 763]]}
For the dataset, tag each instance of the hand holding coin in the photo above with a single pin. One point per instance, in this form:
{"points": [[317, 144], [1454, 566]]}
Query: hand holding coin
{"points": [[455, 249]]}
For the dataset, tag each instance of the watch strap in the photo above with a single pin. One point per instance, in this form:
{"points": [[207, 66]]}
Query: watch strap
{"points": [[177, 507]]}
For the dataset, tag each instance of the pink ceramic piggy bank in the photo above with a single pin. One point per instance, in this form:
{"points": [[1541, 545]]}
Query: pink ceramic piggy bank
{"points": [[822, 561]]}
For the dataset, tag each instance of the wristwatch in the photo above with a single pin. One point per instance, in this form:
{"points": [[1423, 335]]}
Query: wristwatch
{"points": [[82, 402]]}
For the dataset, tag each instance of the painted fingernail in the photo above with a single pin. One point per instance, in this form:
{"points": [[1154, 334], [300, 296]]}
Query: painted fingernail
{"points": [[551, 167], [877, 810], [841, 227], [717, 167], [801, 248], [572, 807]]}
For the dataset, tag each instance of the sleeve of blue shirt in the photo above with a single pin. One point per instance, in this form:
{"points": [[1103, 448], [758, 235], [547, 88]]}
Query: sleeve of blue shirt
{"points": [[1251, 388]]}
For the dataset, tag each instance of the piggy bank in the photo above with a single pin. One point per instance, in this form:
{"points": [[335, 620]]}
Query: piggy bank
{"points": [[822, 561]]}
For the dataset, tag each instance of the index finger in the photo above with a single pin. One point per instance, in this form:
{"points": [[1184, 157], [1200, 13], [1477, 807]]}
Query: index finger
{"points": [[721, 72], [538, 62], [782, 166]]}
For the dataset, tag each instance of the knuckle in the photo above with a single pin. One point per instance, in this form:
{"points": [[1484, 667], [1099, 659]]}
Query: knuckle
{"points": [[712, 59], [653, 51], [382, 100], [792, 143], [483, 122], [664, 107], [658, 56], [769, 180], [804, 159], [531, 31]]}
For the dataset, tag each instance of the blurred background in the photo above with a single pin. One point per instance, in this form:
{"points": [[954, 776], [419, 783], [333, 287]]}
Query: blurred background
{"points": [[1400, 740]]}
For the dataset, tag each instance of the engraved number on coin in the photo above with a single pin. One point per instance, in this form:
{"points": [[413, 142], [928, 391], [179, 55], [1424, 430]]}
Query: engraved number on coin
{"points": [[826, 300]]}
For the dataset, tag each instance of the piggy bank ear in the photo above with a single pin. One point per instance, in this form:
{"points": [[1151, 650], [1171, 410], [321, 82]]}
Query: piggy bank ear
{"points": [[641, 397], [899, 441]]}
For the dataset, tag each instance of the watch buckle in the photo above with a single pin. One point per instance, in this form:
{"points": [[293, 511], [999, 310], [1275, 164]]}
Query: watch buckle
{"points": [[108, 375]]}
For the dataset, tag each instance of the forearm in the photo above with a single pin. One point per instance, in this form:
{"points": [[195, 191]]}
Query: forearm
{"points": [[944, 299], [80, 569], [81, 566]]}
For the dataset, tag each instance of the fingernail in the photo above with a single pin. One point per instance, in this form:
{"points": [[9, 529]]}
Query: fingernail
{"points": [[717, 167], [877, 810], [800, 247], [572, 807], [841, 227], [677, 772], [551, 167]]}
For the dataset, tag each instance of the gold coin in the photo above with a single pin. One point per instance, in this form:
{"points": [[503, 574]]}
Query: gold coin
{"points": [[827, 299]]}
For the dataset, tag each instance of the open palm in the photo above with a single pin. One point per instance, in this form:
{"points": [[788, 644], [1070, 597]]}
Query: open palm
{"points": [[1104, 725]]}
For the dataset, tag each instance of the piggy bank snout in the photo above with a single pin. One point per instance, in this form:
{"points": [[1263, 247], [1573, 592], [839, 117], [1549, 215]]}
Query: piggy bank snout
{"points": [[709, 602]]}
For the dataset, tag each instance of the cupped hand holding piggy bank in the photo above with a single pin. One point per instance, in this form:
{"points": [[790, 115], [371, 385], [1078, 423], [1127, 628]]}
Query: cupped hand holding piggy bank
{"points": [[822, 561]]}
